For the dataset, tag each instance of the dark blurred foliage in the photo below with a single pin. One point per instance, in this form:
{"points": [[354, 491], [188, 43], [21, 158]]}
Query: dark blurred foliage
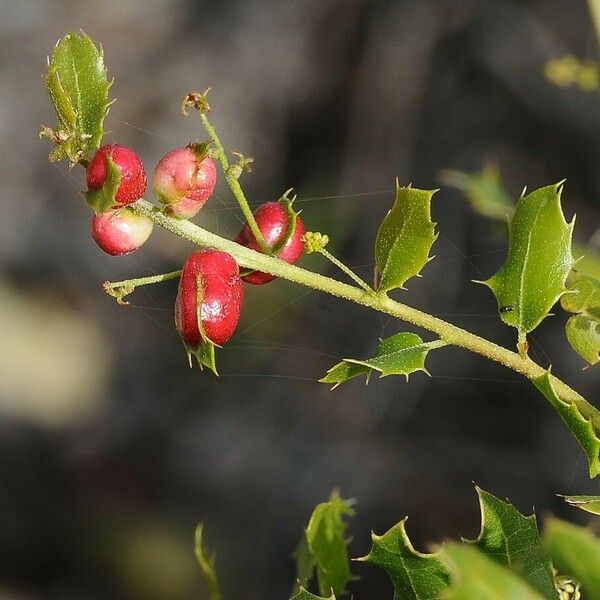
{"points": [[112, 449]]}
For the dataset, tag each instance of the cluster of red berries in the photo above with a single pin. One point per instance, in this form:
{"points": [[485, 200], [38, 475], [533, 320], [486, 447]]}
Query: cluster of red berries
{"points": [[210, 294]]}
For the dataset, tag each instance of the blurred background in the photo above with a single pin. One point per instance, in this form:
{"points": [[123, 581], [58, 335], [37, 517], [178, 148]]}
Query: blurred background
{"points": [[113, 449]]}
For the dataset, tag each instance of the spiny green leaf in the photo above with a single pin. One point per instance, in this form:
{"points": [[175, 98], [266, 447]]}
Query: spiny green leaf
{"points": [[405, 238], [583, 328], [415, 576], [207, 564], [539, 260], [575, 551], [475, 576], [581, 427], [590, 504], [305, 595], [103, 199], [327, 543], [78, 85], [400, 354], [512, 540]]}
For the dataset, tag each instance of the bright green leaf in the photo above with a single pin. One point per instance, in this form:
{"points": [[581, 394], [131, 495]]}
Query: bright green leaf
{"points": [[575, 551], [327, 543], [583, 328], [305, 595], [405, 238], [415, 576], [539, 260], [78, 85], [590, 504], [400, 354], [207, 564], [581, 426], [102, 199], [512, 540], [475, 576]]}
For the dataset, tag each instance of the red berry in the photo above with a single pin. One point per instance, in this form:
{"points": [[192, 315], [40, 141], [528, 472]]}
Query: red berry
{"points": [[209, 299], [184, 179], [272, 219], [120, 231], [133, 177]]}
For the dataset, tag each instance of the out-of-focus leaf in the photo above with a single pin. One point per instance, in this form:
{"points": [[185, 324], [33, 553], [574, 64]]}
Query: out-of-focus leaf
{"points": [[415, 576], [590, 504], [539, 259], [474, 575], [512, 540], [484, 191], [78, 85], [583, 328], [207, 564], [305, 595], [327, 543], [581, 425], [400, 354], [305, 562], [575, 551], [102, 200], [404, 238]]}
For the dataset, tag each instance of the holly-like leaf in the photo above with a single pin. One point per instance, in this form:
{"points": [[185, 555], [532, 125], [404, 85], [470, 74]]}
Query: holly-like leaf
{"points": [[575, 551], [327, 543], [583, 328], [405, 238], [103, 199], [305, 562], [305, 595], [590, 504], [512, 540], [582, 426], [539, 259], [475, 575], [78, 85], [400, 354], [207, 564], [415, 576]]}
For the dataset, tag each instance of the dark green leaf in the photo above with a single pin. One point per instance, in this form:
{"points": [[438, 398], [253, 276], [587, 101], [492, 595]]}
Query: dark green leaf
{"points": [[415, 576], [207, 564], [539, 260], [590, 504], [583, 328], [575, 551], [78, 86], [475, 576], [512, 540], [102, 199], [305, 561], [405, 238], [327, 543], [305, 595], [581, 426], [400, 354]]}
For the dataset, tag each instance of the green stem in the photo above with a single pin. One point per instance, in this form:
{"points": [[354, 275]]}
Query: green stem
{"points": [[451, 334], [340, 265], [235, 186], [120, 289], [594, 6]]}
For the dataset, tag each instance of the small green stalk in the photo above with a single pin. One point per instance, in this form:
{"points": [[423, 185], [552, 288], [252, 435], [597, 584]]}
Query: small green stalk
{"points": [[234, 184], [120, 289], [340, 265]]}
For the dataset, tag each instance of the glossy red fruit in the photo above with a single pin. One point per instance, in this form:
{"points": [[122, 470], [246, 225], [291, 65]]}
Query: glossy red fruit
{"points": [[209, 301], [184, 179], [133, 177], [120, 231], [273, 220]]}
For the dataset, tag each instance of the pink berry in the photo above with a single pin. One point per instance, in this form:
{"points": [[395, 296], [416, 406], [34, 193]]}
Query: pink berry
{"points": [[272, 219], [209, 299], [120, 231], [184, 179], [133, 177]]}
